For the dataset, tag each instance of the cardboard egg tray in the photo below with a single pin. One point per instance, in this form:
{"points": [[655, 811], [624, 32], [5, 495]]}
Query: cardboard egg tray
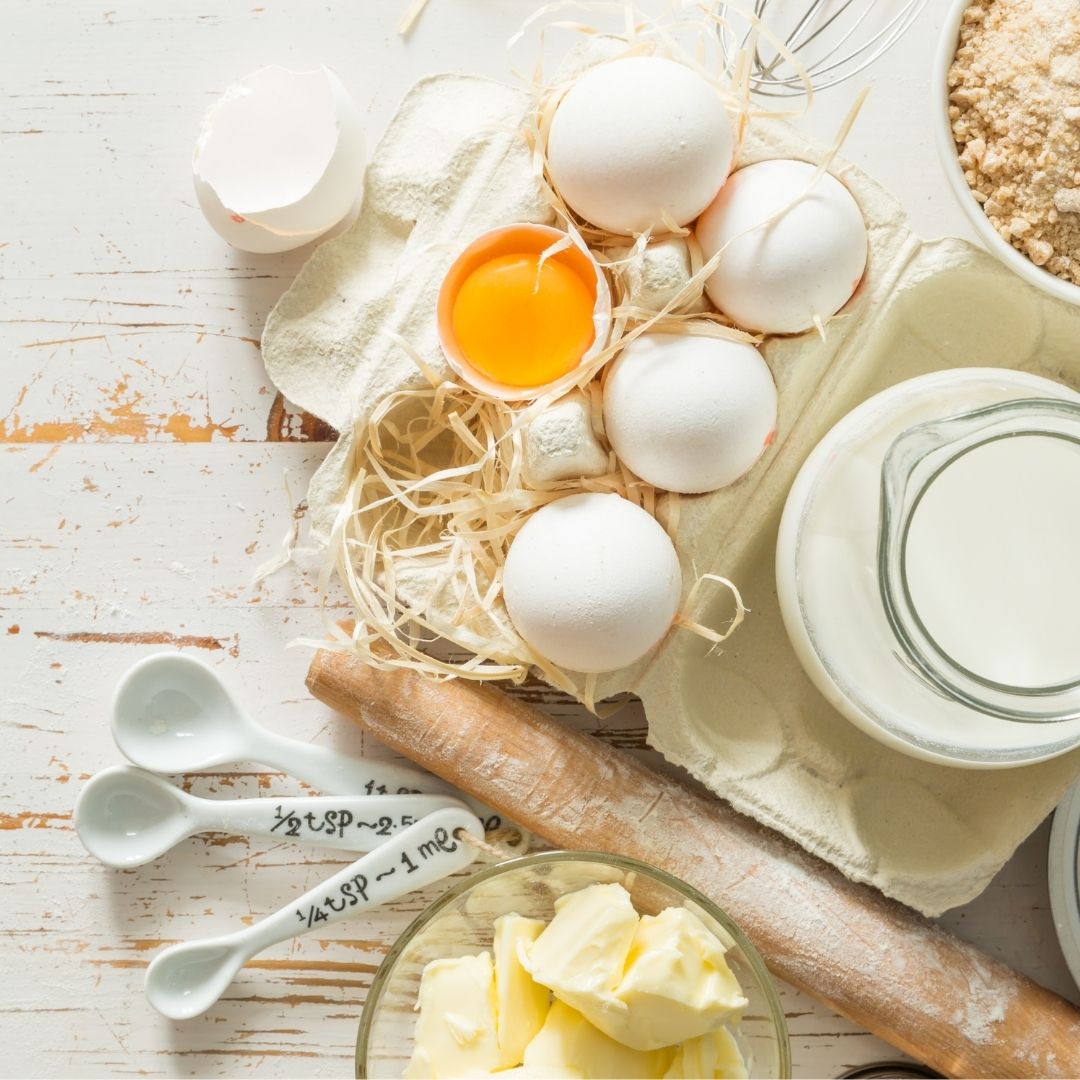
{"points": [[746, 721]]}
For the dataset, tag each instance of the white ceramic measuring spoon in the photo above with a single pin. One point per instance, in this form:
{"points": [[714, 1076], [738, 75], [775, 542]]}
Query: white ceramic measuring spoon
{"points": [[172, 713], [186, 979], [127, 817]]}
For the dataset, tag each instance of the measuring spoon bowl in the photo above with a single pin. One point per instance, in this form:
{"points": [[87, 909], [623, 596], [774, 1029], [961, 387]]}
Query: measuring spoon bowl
{"points": [[127, 817], [171, 713], [187, 979]]}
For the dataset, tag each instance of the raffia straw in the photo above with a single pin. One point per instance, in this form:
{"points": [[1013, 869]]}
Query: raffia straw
{"points": [[410, 15], [437, 489], [717, 637]]}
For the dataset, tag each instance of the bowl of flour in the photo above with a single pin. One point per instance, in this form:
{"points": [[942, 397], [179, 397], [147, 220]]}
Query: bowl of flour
{"points": [[1007, 79]]}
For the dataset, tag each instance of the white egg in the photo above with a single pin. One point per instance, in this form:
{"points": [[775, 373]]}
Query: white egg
{"points": [[280, 159], [636, 139], [805, 263], [689, 413], [592, 582]]}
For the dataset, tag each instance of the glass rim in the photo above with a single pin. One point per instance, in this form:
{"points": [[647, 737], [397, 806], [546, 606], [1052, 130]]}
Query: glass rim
{"points": [[622, 862]]}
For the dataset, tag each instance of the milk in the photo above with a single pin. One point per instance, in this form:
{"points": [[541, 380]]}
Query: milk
{"points": [[993, 561]]}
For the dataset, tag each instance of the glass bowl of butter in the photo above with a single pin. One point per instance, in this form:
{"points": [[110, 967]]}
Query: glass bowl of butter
{"points": [[572, 964]]}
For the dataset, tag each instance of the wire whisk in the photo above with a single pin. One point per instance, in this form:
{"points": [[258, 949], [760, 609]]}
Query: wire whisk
{"points": [[831, 40]]}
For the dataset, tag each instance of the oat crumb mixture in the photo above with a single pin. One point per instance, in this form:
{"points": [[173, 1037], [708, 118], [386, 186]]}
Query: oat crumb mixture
{"points": [[1014, 103]]}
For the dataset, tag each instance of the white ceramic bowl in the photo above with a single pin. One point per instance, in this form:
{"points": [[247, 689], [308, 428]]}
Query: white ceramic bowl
{"points": [[950, 160]]}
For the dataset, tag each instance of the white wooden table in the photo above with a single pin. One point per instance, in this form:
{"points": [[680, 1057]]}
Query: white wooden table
{"points": [[143, 455]]}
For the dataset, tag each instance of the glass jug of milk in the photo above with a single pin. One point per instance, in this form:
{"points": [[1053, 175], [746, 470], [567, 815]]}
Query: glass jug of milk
{"points": [[928, 567]]}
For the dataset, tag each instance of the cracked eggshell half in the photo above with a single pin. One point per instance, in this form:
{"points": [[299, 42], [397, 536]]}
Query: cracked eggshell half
{"points": [[776, 274], [689, 413], [280, 159], [592, 582]]}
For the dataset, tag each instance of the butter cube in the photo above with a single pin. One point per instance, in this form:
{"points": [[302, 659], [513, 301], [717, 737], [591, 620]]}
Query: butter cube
{"points": [[676, 986], [581, 954], [715, 1056], [522, 1004], [567, 1041], [456, 1033]]}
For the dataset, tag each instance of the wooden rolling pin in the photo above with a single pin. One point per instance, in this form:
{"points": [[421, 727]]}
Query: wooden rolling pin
{"points": [[870, 959]]}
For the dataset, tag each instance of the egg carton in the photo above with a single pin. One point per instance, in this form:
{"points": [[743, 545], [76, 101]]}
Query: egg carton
{"points": [[746, 721]]}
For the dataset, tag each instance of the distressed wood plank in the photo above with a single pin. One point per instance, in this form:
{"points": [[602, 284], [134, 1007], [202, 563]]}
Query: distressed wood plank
{"points": [[86, 602], [122, 315]]}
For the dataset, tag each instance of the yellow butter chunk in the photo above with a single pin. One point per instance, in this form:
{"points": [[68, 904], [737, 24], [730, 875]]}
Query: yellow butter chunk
{"points": [[456, 1033], [567, 1041], [715, 1056], [676, 985], [522, 1003], [581, 954]]}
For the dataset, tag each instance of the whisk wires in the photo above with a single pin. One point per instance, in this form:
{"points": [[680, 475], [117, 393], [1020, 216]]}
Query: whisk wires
{"points": [[832, 40]]}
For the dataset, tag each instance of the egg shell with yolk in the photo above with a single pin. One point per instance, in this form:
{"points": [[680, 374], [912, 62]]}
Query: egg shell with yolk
{"points": [[517, 239], [524, 320]]}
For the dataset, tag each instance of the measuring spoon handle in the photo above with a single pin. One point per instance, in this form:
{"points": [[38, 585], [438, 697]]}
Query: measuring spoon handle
{"points": [[418, 856], [335, 773], [352, 822]]}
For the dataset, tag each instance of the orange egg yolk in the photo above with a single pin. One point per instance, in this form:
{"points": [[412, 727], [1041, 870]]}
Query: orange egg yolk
{"points": [[521, 323]]}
